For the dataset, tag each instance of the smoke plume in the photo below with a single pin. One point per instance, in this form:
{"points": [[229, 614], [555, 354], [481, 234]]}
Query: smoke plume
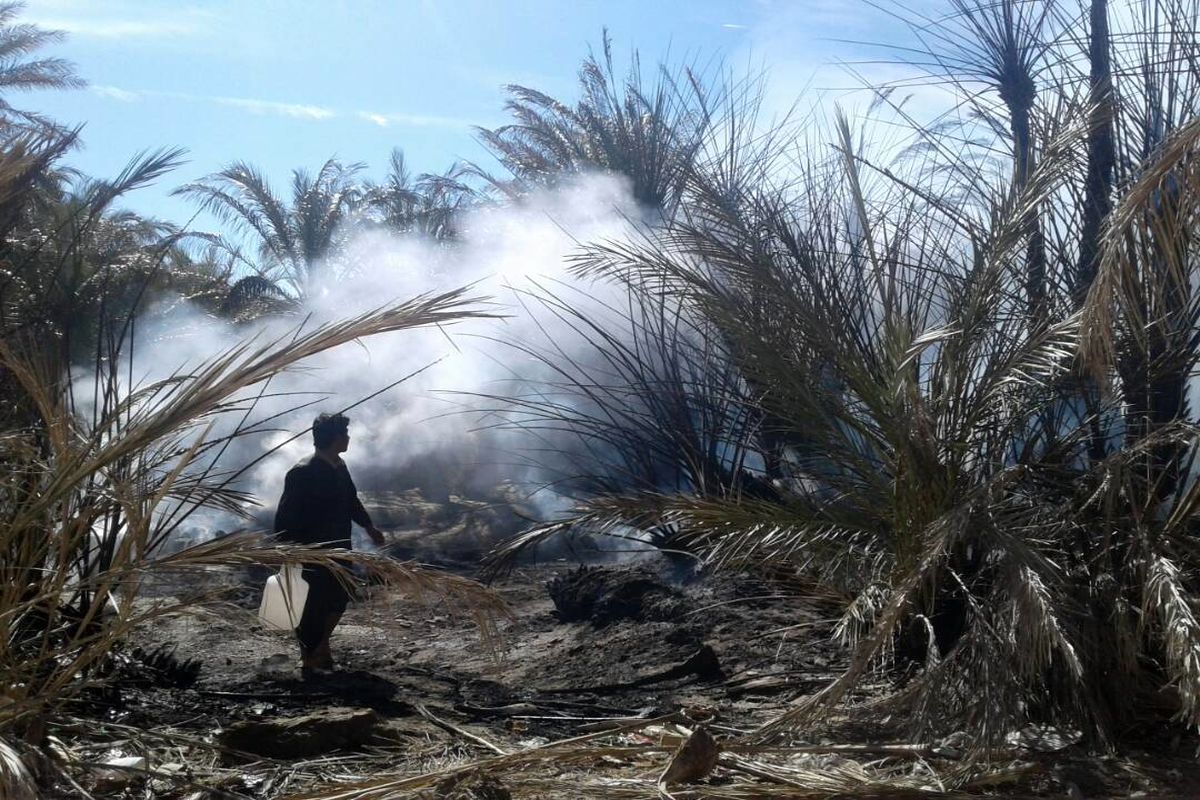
{"points": [[420, 436]]}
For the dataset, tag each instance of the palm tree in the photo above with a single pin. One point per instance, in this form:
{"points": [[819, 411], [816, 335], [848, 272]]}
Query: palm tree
{"points": [[922, 331], [428, 205], [75, 262], [650, 134], [297, 241], [19, 73]]}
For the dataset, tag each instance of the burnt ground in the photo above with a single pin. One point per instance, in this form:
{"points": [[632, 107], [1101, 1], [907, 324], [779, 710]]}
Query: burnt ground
{"points": [[582, 649]]}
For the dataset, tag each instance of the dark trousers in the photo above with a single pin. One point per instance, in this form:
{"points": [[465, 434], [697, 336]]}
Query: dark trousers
{"points": [[326, 596]]}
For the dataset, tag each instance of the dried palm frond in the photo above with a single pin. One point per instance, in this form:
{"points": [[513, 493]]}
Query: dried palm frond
{"points": [[599, 765], [1167, 601]]}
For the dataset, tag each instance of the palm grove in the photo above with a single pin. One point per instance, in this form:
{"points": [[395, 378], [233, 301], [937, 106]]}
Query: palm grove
{"points": [[948, 379]]}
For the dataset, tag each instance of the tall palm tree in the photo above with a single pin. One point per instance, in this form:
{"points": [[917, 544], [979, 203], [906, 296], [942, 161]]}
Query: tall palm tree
{"points": [[18, 72], [297, 240], [649, 133]]}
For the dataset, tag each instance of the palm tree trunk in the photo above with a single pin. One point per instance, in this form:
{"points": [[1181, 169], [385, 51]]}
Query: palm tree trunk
{"points": [[1035, 243], [1101, 151], [1098, 187]]}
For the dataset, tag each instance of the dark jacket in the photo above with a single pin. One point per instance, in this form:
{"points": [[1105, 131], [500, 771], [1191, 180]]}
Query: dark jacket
{"points": [[318, 504]]}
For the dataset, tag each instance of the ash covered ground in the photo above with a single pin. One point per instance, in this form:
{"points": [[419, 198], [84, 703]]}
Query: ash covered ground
{"points": [[417, 689]]}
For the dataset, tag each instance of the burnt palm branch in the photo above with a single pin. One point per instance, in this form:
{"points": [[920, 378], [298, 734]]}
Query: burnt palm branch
{"points": [[633, 397]]}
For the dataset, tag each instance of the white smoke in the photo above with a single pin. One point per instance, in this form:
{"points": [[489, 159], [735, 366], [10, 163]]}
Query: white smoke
{"points": [[417, 425]]}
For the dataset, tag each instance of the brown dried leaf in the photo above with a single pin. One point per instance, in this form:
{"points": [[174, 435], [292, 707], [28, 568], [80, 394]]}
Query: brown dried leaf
{"points": [[695, 759]]}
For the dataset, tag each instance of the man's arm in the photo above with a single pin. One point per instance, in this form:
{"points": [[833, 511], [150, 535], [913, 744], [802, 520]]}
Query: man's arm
{"points": [[292, 517], [359, 514]]}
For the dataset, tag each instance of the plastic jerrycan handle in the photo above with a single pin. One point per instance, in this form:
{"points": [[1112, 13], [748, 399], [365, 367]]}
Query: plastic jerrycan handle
{"points": [[283, 598]]}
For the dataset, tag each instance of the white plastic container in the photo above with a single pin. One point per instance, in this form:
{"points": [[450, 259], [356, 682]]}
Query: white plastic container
{"points": [[283, 599]]}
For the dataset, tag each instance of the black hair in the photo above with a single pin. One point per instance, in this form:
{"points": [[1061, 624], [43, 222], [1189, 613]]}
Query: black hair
{"points": [[328, 427]]}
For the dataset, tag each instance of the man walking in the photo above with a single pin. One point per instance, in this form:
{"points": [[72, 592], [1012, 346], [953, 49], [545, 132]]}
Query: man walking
{"points": [[318, 504]]}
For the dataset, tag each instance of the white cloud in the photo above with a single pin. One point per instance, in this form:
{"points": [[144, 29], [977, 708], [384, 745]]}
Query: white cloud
{"points": [[414, 120], [295, 110], [249, 104], [379, 119], [120, 19]]}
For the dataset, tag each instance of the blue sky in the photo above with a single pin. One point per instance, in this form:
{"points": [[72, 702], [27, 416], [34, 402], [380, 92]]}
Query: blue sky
{"points": [[285, 84]]}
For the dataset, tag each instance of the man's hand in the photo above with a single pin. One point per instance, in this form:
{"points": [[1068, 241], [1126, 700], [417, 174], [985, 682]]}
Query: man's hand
{"points": [[376, 535]]}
